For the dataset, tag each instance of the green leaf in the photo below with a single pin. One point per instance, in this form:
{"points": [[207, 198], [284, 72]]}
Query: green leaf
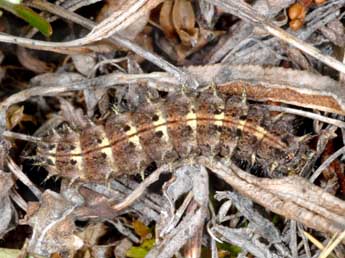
{"points": [[137, 252], [233, 249], [31, 17], [142, 250], [148, 244]]}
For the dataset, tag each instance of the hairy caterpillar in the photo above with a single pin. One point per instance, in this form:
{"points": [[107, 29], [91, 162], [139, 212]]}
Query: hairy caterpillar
{"points": [[179, 126]]}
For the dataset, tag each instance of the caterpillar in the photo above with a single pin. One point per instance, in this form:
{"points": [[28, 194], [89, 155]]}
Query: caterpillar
{"points": [[179, 126]]}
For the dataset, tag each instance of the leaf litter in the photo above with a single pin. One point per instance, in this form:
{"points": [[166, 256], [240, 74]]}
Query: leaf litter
{"points": [[284, 55]]}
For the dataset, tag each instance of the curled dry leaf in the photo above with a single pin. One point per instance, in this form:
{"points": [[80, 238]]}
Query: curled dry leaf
{"points": [[70, 113], [91, 236], [178, 17], [53, 226], [178, 22], [133, 29], [183, 18], [297, 57], [85, 64], [165, 19], [259, 223], [92, 233], [32, 63], [243, 238], [15, 115]]}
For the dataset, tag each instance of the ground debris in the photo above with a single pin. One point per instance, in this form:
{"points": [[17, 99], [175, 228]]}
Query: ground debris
{"points": [[173, 128]]}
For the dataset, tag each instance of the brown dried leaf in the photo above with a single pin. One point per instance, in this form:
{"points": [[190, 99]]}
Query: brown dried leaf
{"points": [[109, 8], [53, 226], [74, 116], [15, 115], [32, 63], [96, 204], [92, 233], [296, 56], [183, 18], [180, 52], [165, 19], [127, 14], [140, 229], [93, 98], [133, 29]]}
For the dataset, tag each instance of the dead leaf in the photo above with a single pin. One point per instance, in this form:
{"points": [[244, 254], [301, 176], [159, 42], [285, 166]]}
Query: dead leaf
{"points": [[32, 63], [92, 233], [53, 226], [178, 22], [128, 13], [183, 18], [84, 63], [15, 115], [335, 32], [180, 52], [140, 229], [74, 116], [133, 29], [165, 19]]}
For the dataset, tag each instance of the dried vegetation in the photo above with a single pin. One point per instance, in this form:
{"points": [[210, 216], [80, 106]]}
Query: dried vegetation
{"points": [[104, 57]]}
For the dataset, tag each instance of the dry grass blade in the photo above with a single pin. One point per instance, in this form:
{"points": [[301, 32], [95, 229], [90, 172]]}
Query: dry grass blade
{"points": [[308, 203], [326, 163], [24, 179], [128, 14], [140, 189], [331, 245], [312, 239], [311, 115], [246, 12], [23, 137]]}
